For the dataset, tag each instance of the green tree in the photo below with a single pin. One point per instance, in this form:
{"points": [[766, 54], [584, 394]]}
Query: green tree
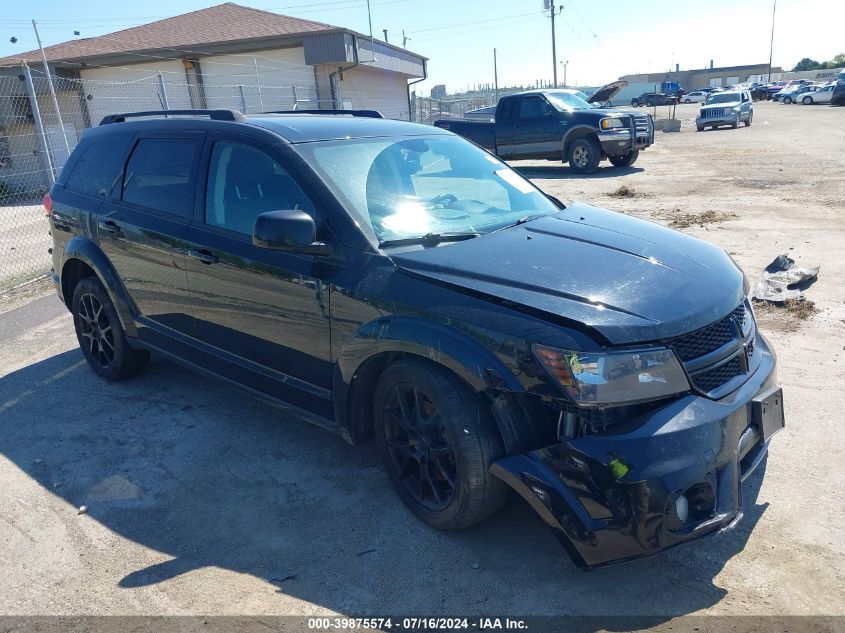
{"points": [[838, 61], [806, 64]]}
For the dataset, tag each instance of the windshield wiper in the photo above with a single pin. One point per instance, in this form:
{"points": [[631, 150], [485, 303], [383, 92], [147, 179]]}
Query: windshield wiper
{"points": [[429, 239], [522, 220]]}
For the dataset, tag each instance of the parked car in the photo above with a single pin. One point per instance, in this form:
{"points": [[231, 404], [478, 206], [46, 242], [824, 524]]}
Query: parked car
{"points": [[795, 95], [838, 96], [652, 99], [554, 125], [393, 282], [696, 96], [726, 108], [821, 95]]}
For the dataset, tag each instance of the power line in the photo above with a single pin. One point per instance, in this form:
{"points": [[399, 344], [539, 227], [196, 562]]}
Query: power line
{"points": [[584, 22], [455, 26]]}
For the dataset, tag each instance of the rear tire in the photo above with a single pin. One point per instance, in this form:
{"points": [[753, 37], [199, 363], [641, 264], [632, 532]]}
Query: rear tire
{"points": [[437, 440], [101, 335], [625, 160], [584, 155]]}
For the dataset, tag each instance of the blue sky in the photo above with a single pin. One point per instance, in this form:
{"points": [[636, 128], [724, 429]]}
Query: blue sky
{"points": [[600, 40]]}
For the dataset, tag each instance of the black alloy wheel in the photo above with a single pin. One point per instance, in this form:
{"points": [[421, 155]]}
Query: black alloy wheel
{"points": [[100, 334], [95, 332], [419, 447], [437, 440]]}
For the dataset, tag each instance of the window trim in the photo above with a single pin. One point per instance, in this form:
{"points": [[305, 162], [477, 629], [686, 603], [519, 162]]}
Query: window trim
{"points": [[198, 138]]}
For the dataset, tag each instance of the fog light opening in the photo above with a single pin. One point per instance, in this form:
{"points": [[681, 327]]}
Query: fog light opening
{"points": [[682, 508]]}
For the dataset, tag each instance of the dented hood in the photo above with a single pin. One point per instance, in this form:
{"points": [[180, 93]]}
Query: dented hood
{"points": [[630, 280]]}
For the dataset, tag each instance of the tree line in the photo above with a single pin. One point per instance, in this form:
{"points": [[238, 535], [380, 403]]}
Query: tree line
{"points": [[811, 64]]}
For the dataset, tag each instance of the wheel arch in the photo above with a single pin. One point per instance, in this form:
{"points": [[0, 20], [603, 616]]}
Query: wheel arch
{"points": [[378, 343], [84, 258], [578, 132]]}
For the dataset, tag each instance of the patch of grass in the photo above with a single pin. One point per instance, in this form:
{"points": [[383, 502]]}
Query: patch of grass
{"points": [[624, 191], [686, 220], [784, 316]]}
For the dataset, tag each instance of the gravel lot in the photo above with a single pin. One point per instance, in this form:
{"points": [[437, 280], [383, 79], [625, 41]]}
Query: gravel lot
{"points": [[203, 501]]}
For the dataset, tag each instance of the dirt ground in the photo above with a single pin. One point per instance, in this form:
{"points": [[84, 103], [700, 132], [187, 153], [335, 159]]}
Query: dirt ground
{"points": [[201, 500]]}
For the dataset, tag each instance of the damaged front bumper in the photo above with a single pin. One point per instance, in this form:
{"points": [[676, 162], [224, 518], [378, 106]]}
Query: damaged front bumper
{"points": [[615, 497]]}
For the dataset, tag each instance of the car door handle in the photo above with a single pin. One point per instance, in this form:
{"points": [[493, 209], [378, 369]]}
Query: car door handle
{"points": [[109, 226], [206, 257]]}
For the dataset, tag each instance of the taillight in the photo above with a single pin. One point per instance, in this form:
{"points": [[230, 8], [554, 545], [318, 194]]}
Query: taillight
{"points": [[48, 204]]}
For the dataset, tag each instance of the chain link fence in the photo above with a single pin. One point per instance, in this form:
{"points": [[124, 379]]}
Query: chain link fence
{"points": [[38, 132]]}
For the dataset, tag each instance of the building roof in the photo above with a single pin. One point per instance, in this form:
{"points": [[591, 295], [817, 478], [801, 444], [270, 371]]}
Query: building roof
{"points": [[228, 22]]}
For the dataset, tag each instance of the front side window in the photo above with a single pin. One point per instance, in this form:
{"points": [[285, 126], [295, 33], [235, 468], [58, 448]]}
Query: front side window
{"points": [[409, 187], [533, 108], [158, 175], [244, 182]]}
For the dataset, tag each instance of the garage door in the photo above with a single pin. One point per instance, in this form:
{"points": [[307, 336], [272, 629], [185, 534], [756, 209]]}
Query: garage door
{"points": [[365, 88]]}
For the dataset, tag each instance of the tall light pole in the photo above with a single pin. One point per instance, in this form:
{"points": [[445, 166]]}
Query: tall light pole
{"points": [[772, 42], [565, 64], [550, 6], [496, 74]]}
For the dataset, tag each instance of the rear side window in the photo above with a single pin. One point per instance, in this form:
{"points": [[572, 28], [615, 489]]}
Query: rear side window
{"points": [[99, 168], [506, 110], [158, 175]]}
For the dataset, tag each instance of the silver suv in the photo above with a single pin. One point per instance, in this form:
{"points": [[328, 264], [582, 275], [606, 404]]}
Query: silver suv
{"points": [[725, 108]]}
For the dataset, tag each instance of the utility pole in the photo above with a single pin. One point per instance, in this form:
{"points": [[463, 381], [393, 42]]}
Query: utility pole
{"points": [[772, 42], [385, 34], [496, 75], [565, 64], [405, 39], [550, 6], [52, 90]]}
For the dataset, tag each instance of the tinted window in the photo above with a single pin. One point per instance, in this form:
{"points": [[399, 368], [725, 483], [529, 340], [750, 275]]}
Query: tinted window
{"points": [[506, 111], [532, 108], [158, 175], [99, 168], [244, 182]]}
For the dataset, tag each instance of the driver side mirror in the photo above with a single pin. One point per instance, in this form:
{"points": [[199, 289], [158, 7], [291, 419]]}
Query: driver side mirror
{"points": [[292, 231]]}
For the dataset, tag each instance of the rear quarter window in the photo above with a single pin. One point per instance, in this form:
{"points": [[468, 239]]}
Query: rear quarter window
{"points": [[99, 168], [158, 175]]}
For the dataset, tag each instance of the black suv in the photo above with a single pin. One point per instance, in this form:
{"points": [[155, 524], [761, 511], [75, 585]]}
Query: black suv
{"points": [[392, 281], [652, 99]]}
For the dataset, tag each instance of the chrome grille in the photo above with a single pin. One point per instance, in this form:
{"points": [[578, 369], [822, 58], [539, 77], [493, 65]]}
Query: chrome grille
{"points": [[714, 112], [641, 123]]}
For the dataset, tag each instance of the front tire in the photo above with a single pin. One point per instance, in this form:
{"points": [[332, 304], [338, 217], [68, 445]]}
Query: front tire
{"points": [[735, 123], [807, 101], [101, 335], [748, 122], [687, 101], [584, 155], [437, 440], [625, 160], [787, 100]]}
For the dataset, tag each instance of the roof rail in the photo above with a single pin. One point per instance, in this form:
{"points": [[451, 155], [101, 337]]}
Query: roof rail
{"points": [[216, 115], [368, 114]]}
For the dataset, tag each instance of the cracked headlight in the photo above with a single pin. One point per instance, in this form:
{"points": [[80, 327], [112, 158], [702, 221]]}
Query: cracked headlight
{"points": [[614, 377]]}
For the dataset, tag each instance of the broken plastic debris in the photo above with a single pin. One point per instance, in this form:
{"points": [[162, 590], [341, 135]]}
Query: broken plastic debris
{"points": [[82, 510], [777, 281]]}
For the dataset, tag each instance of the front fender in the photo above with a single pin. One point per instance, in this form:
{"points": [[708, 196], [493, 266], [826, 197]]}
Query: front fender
{"points": [[86, 250], [442, 344], [454, 349], [577, 131]]}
